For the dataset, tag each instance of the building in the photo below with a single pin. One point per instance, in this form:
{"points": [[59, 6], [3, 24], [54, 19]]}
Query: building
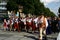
{"points": [[3, 9]]}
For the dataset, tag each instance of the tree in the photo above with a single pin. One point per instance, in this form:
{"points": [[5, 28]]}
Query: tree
{"points": [[59, 12], [34, 7], [0, 1], [11, 5]]}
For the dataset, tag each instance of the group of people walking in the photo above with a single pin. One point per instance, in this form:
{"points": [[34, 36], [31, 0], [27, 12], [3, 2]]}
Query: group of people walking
{"points": [[44, 25]]}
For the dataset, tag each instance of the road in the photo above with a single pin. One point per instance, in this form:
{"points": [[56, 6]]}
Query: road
{"points": [[7, 35]]}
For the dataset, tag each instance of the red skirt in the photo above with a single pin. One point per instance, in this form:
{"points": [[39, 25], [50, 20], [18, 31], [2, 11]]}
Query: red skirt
{"points": [[15, 25], [5, 25], [33, 26]]}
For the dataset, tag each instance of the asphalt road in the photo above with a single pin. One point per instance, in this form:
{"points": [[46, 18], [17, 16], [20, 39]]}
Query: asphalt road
{"points": [[7, 35]]}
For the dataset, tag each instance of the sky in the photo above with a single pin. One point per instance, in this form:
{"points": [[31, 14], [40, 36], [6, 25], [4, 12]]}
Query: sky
{"points": [[53, 5]]}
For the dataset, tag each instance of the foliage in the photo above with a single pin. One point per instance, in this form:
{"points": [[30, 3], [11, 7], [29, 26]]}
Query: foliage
{"points": [[34, 7], [59, 10], [11, 5], [0, 1]]}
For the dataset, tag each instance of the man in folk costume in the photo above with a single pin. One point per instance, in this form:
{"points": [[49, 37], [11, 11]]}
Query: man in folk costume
{"points": [[42, 27]]}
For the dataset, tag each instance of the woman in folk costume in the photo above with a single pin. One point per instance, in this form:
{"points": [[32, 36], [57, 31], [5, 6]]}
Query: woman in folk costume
{"points": [[19, 21], [36, 22], [11, 23], [29, 20], [5, 24], [16, 25], [24, 23], [28, 24], [8, 24], [33, 25], [42, 27], [18, 28]]}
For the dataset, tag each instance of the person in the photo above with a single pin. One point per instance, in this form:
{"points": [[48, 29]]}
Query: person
{"points": [[8, 24], [49, 30], [19, 21], [5, 24], [33, 25], [28, 24], [42, 27], [11, 23], [16, 25], [36, 22], [54, 25], [22, 24], [59, 24]]}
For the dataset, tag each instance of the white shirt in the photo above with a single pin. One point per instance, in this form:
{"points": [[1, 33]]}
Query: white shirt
{"points": [[8, 22], [24, 20], [36, 20], [29, 20], [46, 22], [40, 20]]}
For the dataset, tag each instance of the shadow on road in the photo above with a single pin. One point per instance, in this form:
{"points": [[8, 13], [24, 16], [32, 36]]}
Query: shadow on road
{"points": [[6, 35], [52, 38], [31, 37]]}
